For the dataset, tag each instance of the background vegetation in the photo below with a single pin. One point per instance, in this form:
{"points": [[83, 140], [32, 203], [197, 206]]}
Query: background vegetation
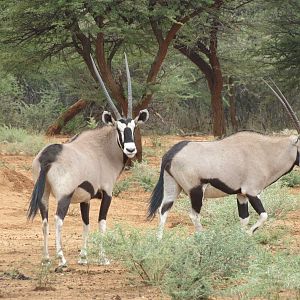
{"points": [[44, 70]]}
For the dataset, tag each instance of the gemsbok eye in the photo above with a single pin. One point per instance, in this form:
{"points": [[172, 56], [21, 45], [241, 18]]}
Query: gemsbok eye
{"points": [[86, 167]]}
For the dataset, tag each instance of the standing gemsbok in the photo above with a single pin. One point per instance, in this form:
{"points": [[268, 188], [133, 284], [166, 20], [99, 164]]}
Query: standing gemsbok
{"points": [[244, 164], [84, 168]]}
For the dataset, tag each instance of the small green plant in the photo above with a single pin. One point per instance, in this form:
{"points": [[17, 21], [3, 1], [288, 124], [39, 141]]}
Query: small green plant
{"points": [[121, 186], [156, 142], [144, 175], [15, 274], [44, 280], [92, 123], [291, 179]]}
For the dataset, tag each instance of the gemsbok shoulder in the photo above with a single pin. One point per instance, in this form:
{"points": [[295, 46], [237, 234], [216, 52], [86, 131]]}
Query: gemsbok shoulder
{"points": [[86, 167], [244, 164]]}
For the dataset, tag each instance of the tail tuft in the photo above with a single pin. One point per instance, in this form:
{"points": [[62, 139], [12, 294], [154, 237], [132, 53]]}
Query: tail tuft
{"points": [[156, 196], [37, 194]]}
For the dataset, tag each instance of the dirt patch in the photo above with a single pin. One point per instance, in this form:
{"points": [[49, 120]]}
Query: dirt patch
{"points": [[15, 180]]}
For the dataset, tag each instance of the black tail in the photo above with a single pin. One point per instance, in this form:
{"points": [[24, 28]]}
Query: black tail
{"points": [[156, 196], [158, 192], [37, 193]]}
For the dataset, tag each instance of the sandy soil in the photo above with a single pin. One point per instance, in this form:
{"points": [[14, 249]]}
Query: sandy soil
{"points": [[21, 241]]}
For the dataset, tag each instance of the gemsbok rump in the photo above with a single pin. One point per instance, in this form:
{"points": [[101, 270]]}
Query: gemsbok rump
{"points": [[86, 167], [244, 164]]}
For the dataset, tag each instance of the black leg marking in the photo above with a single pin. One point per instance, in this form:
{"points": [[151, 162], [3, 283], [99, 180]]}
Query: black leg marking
{"points": [[85, 211], [43, 211], [166, 207], [105, 203], [88, 187], [220, 185], [256, 204], [196, 195], [243, 210], [63, 206], [98, 195]]}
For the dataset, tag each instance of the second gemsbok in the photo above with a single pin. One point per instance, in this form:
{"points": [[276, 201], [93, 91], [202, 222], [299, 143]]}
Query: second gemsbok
{"points": [[244, 164]]}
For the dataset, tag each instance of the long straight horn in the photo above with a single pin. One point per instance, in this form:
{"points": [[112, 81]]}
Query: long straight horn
{"points": [[129, 107], [111, 103], [285, 104]]}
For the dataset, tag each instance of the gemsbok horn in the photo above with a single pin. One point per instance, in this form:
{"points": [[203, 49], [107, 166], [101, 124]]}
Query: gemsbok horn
{"points": [[244, 164], [86, 167]]}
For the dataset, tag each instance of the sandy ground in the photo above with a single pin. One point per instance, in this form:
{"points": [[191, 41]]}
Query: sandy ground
{"points": [[21, 241]]}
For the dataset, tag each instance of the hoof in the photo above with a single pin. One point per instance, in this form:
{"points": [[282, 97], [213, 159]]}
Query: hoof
{"points": [[61, 269], [82, 261], [103, 261], [46, 262]]}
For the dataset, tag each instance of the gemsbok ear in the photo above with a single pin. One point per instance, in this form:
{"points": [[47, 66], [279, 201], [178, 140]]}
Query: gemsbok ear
{"points": [[107, 118], [142, 117]]}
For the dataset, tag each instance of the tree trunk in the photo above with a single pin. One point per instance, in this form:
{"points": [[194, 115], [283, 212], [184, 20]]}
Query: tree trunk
{"points": [[232, 104], [64, 118], [216, 95]]}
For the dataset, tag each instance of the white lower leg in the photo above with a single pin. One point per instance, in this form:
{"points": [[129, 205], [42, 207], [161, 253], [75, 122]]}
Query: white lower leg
{"points": [[262, 218], [195, 217], [102, 226], [83, 251], [59, 251], [45, 247], [103, 260], [162, 222], [245, 222]]}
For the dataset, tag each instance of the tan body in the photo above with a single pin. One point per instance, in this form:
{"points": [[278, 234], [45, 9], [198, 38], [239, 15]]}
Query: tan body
{"points": [[243, 164], [93, 156]]}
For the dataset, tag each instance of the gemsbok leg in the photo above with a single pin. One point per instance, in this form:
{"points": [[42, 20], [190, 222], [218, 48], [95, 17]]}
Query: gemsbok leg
{"points": [[105, 204], [85, 210], [197, 196], [43, 206], [61, 211], [242, 203], [258, 207], [171, 192]]}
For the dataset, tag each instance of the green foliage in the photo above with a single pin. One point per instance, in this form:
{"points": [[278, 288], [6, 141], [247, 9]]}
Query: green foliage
{"points": [[121, 186], [292, 179], [18, 141], [44, 278], [144, 175], [37, 117], [269, 275], [92, 123], [222, 261]]}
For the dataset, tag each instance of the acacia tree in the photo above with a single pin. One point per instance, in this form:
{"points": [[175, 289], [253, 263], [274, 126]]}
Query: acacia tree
{"points": [[203, 53], [44, 29]]}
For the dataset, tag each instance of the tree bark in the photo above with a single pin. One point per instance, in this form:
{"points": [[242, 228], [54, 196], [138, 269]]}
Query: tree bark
{"points": [[216, 96], [64, 118], [211, 69]]}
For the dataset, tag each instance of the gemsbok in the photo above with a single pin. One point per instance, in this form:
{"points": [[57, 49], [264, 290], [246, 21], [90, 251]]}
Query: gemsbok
{"points": [[244, 164], [86, 167]]}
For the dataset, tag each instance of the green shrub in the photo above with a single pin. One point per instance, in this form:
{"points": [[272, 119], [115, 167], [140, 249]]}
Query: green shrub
{"points": [[18, 141], [186, 267], [291, 179], [37, 117], [121, 186], [144, 175]]}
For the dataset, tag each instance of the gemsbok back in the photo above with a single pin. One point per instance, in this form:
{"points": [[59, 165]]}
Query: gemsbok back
{"points": [[86, 167], [244, 164]]}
